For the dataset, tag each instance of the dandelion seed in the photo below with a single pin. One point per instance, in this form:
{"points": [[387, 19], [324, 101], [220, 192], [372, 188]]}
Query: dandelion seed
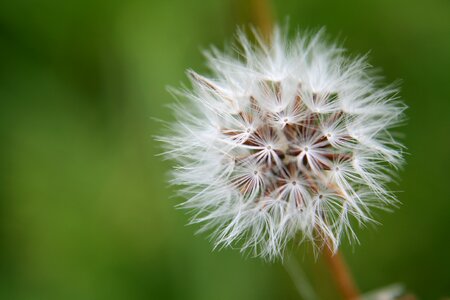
{"points": [[285, 139]]}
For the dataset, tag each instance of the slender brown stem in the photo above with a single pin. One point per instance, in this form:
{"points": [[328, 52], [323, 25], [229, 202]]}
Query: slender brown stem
{"points": [[263, 16], [341, 274]]}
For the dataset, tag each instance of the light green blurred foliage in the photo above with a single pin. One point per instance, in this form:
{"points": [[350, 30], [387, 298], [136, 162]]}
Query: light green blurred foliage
{"points": [[86, 212]]}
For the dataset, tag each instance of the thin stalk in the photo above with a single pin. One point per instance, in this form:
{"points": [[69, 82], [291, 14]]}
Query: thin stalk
{"points": [[341, 274], [263, 16], [299, 278]]}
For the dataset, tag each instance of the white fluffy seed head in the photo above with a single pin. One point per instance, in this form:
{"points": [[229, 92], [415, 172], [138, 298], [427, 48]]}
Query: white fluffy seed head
{"points": [[285, 140]]}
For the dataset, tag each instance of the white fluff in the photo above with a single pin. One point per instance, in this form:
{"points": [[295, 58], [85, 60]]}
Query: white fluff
{"points": [[286, 139]]}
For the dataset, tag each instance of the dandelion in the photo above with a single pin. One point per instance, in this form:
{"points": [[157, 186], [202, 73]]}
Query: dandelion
{"points": [[285, 140]]}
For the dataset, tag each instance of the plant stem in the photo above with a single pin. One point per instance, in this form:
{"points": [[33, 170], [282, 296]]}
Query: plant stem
{"points": [[263, 16], [341, 274], [299, 278]]}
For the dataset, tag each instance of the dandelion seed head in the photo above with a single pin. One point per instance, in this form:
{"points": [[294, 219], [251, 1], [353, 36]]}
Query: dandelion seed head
{"points": [[285, 140]]}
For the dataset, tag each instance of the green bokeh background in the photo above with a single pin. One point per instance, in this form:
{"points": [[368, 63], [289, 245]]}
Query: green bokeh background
{"points": [[85, 210]]}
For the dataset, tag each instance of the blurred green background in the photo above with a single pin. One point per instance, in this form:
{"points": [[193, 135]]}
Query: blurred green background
{"points": [[85, 210]]}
